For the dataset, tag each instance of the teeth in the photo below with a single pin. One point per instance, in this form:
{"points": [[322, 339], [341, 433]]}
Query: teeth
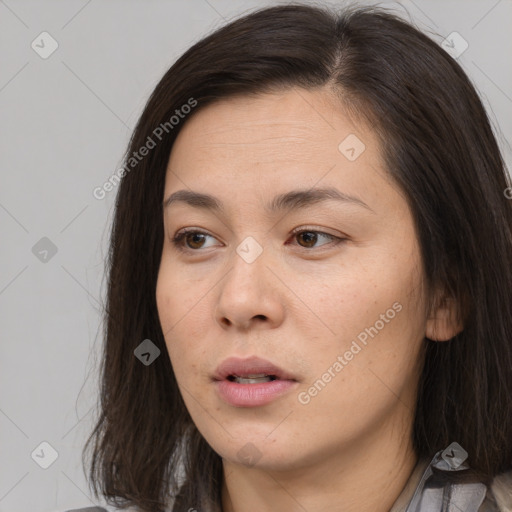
{"points": [[252, 378]]}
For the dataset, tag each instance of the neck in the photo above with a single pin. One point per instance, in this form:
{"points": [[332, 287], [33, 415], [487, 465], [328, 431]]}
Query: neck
{"points": [[366, 476]]}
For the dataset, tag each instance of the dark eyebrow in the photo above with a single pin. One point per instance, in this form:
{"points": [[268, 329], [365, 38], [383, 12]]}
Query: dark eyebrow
{"points": [[292, 200]]}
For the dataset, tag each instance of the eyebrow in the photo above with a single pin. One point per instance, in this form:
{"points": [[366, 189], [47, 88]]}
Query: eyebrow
{"points": [[292, 200]]}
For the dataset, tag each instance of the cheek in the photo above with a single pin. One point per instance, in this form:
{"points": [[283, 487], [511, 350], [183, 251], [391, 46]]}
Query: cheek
{"points": [[169, 309], [346, 306], [368, 367], [175, 296], [164, 300], [373, 313], [182, 319]]}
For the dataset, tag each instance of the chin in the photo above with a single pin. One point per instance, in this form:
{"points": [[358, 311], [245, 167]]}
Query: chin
{"points": [[257, 452]]}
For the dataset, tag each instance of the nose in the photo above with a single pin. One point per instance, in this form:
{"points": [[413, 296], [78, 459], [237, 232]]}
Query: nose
{"points": [[249, 296]]}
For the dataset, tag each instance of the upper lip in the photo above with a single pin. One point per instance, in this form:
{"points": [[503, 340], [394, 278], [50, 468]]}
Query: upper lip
{"points": [[249, 366]]}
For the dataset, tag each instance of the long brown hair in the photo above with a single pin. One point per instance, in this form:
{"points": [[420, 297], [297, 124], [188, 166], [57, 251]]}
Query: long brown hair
{"points": [[439, 148]]}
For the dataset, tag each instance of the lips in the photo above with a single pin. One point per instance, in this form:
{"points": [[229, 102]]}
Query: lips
{"points": [[252, 382], [237, 367]]}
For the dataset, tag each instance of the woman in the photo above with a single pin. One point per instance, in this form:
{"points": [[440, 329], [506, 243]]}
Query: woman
{"points": [[309, 279]]}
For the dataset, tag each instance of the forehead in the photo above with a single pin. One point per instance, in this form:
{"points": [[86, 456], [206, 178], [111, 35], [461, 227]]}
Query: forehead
{"points": [[298, 120], [276, 140]]}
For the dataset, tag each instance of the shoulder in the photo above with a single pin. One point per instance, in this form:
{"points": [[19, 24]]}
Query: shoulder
{"points": [[501, 491], [439, 480]]}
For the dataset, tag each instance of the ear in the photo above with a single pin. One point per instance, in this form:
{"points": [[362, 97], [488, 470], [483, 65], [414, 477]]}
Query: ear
{"points": [[443, 323]]}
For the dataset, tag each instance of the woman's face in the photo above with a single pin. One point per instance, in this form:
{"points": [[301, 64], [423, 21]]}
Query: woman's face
{"points": [[305, 256]]}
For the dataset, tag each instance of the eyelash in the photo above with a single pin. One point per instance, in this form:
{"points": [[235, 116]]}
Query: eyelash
{"points": [[179, 238]]}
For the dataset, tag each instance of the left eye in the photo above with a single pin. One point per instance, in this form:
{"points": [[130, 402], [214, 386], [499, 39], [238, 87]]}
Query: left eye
{"points": [[309, 238]]}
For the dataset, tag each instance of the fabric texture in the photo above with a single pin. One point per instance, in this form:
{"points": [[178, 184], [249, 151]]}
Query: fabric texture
{"points": [[430, 489]]}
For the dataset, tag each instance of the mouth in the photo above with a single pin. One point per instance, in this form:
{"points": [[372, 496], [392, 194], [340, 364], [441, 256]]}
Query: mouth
{"points": [[251, 382], [252, 379], [252, 370]]}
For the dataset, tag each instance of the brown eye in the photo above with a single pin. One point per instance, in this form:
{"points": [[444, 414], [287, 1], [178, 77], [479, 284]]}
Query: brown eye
{"points": [[192, 240], [313, 239], [195, 240], [309, 238]]}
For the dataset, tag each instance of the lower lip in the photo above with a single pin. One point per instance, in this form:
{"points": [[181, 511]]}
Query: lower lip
{"points": [[253, 395]]}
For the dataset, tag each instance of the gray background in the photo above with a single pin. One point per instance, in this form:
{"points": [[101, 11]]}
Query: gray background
{"points": [[65, 122]]}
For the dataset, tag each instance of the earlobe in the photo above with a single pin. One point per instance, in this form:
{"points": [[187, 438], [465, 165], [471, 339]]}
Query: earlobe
{"points": [[444, 322]]}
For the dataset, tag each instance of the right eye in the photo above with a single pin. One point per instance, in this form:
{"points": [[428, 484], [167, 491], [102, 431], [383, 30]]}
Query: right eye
{"points": [[191, 239]]}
